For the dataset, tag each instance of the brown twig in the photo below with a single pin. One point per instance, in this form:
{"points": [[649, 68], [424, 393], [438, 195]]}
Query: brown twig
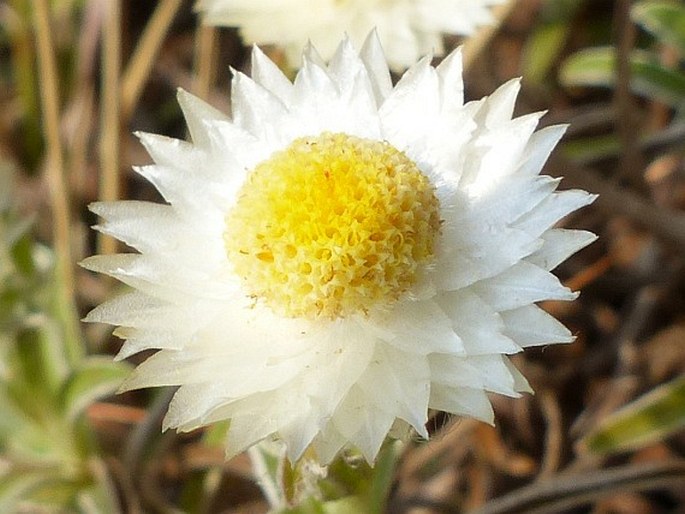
{"points": [[567, 491], [554, 437], [632, 161]]}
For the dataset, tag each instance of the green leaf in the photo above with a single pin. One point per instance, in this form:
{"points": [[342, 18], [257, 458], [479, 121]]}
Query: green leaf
{"points": [[590, 149], [542, 50], [215, 435], [548, 39], [309, 506], [665, 20], [596, 67], [17, 486], [32, 441], [95, 377], [383, 474], [12, 421], [41, 366], [649, 419], [101, 496], [55, 494], [347, 505]]}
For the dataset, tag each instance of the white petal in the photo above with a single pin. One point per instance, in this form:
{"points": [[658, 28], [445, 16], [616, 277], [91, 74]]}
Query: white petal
{"points": [[520, 382], [411, 107], [398, 382], [496, 154], [454, 371], [138, 340], [495, 374], [265, 73], [420, 328], [521, 285], [168, 151], [478, 325], [145, 226], [465, 401], [558, 245], [377, 67], [365, 427], [328, 443], [450, 72], [498, 108], [502, 205], [552, 209], [531, 326], [539, 148], [158, 278], [252, 105], [196, 113]]}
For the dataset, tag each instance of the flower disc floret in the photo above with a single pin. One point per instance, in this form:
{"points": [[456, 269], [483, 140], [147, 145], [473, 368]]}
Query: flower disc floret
{"points": [[332, 225]]}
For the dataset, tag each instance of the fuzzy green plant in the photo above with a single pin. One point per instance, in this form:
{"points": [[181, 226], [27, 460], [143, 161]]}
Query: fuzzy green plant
{"points": [[48, 458], [651, 77]]}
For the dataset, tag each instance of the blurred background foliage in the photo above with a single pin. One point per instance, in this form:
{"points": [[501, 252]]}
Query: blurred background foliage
{"points": [[603, 434]]}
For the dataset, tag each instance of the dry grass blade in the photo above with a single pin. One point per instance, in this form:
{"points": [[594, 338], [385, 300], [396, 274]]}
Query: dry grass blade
{"points": [[205, 60], [49, 90], [109, 117], [59, 198], [138, 68]]}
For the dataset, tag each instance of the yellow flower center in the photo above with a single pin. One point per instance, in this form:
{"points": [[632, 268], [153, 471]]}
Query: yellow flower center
{"points": [[331, 226]]}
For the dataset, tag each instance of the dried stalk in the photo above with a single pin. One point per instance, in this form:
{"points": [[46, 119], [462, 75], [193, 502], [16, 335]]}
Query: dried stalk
{"points": [[109, 115], [58, 185], [205, 59], [138, 69]]}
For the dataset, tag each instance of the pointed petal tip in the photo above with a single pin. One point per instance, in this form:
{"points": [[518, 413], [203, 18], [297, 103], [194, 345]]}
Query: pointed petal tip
{"points": [[89, 263], [95, 207]]}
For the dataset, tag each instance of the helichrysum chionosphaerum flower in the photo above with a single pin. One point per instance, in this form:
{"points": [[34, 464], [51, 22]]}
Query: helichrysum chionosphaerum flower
{"points": [[408, 29], [341, 255]]}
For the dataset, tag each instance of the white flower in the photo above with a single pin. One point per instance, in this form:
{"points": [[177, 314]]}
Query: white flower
{"points": [[340, 255], [408, 29]]}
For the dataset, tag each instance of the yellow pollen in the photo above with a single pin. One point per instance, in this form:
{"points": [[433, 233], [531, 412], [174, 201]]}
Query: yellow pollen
{"points": [[331, 226]]}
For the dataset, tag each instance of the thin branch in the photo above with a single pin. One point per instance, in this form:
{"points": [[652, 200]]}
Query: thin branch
{"points": [[109, 114], [632, 161], [138, 69], [566, 491], [554, 435]]}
